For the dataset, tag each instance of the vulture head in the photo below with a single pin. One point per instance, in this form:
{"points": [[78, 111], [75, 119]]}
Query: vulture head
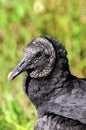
{"points": [[38, 60]]}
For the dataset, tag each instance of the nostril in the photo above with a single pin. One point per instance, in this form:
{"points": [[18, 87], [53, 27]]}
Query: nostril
{"points": [[21, 63]]}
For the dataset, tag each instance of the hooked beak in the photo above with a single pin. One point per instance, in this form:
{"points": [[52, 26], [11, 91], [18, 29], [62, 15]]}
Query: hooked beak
{"points": [[19, 68]]}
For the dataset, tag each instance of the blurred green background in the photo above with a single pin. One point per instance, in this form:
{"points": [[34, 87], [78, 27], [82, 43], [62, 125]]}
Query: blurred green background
{"points": [[20, 21]]}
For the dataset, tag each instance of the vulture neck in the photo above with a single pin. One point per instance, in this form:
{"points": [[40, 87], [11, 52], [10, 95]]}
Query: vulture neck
{"points": [[61, 69]]}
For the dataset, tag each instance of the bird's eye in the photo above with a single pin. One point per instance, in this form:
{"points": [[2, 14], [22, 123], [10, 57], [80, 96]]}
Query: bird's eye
{"points": [[47, 55], [38, 54]]}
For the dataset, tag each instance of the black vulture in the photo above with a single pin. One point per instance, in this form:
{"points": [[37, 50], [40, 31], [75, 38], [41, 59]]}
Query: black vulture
{"points": [[59, 96]]}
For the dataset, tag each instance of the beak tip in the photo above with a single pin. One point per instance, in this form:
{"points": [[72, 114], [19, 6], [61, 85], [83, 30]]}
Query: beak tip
{"points": [[9, 78], [16, 71]]}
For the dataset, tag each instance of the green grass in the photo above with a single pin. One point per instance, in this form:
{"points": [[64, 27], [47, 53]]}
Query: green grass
{"points": [[20, 21]]}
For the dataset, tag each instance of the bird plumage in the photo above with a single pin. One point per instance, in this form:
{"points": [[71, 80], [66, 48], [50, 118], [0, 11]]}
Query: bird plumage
{"points": [[59, 97]]}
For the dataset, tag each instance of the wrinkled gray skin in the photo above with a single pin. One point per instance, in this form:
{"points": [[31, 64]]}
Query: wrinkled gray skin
{"points": [[59, 97]]}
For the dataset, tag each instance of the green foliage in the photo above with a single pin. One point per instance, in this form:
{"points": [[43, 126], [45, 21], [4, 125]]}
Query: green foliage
{"points": [[20, 21]]}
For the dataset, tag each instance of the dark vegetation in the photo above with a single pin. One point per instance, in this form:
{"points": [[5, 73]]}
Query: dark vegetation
{"points": [[20, 21]]}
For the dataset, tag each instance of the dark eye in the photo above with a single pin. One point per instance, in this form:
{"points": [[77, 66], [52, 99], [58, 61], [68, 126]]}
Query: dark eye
{"points": [[38, 54], [47, 55]]}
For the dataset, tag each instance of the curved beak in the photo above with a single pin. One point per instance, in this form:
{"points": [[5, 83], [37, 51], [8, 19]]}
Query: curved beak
{"points": [[20, 67]]}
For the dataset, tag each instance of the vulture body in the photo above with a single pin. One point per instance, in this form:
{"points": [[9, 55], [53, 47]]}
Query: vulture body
{"points": [[59, 96]]}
